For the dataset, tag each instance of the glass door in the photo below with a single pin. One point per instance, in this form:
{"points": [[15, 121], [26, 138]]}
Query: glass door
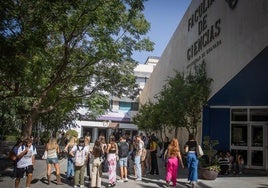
{"points": [[257, 153], [249, 130]]}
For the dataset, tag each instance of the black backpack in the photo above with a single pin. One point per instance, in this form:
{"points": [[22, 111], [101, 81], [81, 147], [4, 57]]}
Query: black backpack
{"points": [[123, 149]]}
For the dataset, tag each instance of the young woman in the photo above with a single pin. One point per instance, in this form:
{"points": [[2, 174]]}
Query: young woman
{"points": [[172, 155], [112, 151], [53, 150], [96, 172], [70, 159], [192, 160]]}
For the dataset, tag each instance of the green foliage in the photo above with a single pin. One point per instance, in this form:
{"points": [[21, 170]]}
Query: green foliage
{"points": [[45, 136], [56, 55], [179, 104], [72, 133], [12, 138], [210, 152], [148, 118]]}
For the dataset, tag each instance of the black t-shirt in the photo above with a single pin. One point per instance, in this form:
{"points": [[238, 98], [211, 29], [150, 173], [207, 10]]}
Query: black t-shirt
{"points": [[192, 145]]}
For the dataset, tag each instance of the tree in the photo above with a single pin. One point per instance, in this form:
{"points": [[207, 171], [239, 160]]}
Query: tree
{"points": [[64, 54], [173, 99], [198, 90], [144, 119], [179, 104]]}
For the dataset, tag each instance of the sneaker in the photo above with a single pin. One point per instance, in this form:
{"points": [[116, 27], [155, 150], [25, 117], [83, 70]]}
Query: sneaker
{"points": [[138, 179], [120, 181], [75, 186], [167, 184], [82, 186], [125, 180]]}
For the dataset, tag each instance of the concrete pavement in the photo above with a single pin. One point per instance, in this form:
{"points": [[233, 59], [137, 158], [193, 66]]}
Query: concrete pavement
{"points": [[149, 181]]}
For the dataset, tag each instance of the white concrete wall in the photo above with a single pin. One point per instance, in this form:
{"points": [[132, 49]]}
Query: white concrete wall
{"points": [[243, 34]]}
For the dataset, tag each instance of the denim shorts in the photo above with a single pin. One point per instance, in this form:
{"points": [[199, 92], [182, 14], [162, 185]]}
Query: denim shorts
{"points": [[123, 161], [52, 160]]}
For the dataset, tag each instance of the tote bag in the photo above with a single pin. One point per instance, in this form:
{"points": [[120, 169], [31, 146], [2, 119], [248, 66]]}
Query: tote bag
{"points": [[44, 155], [200, 152]]}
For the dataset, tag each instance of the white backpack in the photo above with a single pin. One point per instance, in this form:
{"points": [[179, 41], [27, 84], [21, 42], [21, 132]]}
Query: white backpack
{"points": [[80, 156]]}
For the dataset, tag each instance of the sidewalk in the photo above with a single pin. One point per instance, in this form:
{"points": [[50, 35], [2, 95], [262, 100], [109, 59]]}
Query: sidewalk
{"points": [[149, 181]]}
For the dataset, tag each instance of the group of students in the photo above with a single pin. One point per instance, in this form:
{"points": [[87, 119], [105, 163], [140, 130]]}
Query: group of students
{"points": [[81, 157], [230, 163]]}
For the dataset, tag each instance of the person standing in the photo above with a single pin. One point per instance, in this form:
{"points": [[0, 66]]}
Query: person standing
{"points": [[70, 159], [53, 150], [172, 155], [25, 162], [112, 151], [123, 151], [166, 144], [153, 151], [192, 160], [87, 144], [96, 172], [80, 154], [138, 145]]}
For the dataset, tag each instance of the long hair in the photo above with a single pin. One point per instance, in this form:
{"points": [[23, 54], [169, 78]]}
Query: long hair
{"points": [[52, 144], [72, 141], [173, 147], [97, 151]]}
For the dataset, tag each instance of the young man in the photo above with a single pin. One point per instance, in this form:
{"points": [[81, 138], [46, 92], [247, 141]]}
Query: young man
{"points": [[80, 153], [123, 151], [26, 158]]}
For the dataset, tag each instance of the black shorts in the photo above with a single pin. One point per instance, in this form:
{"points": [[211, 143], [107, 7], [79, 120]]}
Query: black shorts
{"points": [[21, 171]]}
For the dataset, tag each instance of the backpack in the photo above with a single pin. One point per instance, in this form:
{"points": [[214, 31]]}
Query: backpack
{"points": [[12, 155], [123, 149], [105, 165], [79, 156]]}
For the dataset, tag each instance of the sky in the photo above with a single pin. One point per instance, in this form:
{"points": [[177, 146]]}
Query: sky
{"points": [[164, 17]]}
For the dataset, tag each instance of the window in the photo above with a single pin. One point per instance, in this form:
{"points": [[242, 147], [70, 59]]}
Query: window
{"points": [[239, 135], [125, 106], [239, 115], [135, 106], [259, 115]]}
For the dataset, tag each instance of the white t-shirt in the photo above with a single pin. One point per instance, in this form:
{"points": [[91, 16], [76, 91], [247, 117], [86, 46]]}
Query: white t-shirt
{"points": [[26, 160]]}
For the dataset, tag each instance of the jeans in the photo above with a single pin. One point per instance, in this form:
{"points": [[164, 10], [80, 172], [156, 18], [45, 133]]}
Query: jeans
{"points": [[70, 168], [138, 165], [192, 163]]}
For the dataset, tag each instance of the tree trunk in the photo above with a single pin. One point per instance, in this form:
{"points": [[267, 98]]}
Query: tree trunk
{"points": [[28, 125], [176, 132]]}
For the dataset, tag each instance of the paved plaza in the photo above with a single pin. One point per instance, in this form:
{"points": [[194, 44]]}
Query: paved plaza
{"points": [[149, 181]]}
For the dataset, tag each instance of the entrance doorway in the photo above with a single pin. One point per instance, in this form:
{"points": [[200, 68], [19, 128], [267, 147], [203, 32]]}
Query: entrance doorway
{"points": [[249, 136]]}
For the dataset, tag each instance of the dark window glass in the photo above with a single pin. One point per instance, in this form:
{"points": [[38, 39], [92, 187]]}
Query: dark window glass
{"points": [[239, 135], [259, 114], [239, 115]]}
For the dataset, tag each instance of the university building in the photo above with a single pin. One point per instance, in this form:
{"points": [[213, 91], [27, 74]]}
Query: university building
{"points": [[231, 37], [118, 118]]}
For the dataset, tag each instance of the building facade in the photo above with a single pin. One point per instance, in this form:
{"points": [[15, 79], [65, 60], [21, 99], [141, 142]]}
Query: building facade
{"points": [[231, 37], [118, 118]]}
